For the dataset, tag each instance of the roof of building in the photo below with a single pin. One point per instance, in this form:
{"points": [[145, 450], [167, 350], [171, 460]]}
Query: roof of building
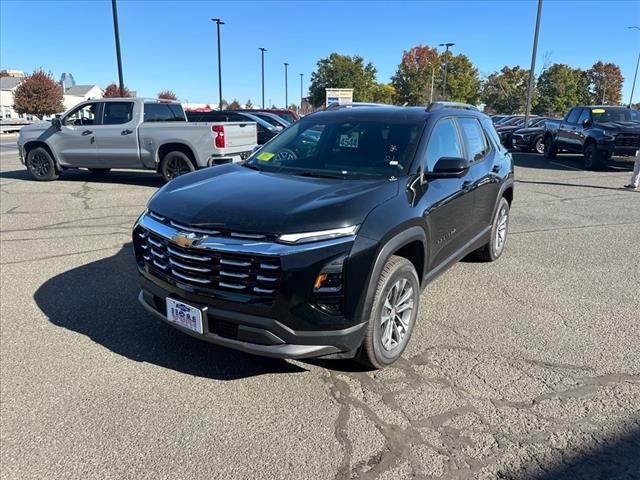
{"points": [[9, 83], [80, 90]]}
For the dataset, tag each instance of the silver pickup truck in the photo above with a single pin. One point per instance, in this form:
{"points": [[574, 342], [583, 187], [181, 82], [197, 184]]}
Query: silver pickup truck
{"points": [[131, 133]]}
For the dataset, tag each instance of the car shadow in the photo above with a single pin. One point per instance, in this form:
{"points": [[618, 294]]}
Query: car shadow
{"points": [[100, 300], [568, 162], [122, 177]]}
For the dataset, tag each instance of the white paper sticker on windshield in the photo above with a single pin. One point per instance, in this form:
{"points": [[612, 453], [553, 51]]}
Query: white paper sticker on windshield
{"points": [[348, 140]]}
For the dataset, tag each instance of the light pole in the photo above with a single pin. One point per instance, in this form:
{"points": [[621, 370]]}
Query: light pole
{"points": [[116, 32], [527, 108], [286, 86], [262, 50], [433, 75], [633, 86], [301, 76], [446, 65], [219, 22]]}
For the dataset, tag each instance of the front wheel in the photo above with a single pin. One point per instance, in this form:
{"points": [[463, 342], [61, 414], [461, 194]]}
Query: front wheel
{"points": [[592, 157], [393, 315], [41, 165], [550, 149], [493, 250], [538, 146], [175, 164]]}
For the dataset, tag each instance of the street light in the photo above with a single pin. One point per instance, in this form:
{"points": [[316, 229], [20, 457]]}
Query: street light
{"points": [[527, 108], [219, 22], [446, 65], [301, 75], [286, 86], [262, 50], [633, 86], [116, 32]]}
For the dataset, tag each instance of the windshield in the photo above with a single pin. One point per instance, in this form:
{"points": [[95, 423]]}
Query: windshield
{"points": [[615, 115], [339, 148], [286, 116]]}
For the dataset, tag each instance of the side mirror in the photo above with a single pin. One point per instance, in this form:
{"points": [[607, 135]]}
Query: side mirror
{"points": [[57, 124], [587, 123], [449, 167]]}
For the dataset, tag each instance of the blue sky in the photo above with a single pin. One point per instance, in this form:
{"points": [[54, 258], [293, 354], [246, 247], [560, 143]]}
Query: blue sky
{"points": [[172, 44]]}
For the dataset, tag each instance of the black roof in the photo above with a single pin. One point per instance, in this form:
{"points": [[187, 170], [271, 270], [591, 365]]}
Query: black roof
{"points": [[390, 113]]}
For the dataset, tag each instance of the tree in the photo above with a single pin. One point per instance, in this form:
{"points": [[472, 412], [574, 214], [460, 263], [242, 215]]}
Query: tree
{"points": [[293, 107], [506, 91], [235, 105], [463, 83], [560, 87], [412, 80], [113, 91], [248, 105], [38, 94], [384, 93], [605, 83], [167, 95], [3, 73], [341, 71], [225, 104]]}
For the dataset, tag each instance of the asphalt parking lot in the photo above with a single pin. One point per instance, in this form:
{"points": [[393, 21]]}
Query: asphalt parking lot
{"points": [[528, 368]]}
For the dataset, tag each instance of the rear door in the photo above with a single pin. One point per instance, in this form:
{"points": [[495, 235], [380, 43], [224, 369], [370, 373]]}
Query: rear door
{"points": [[116, 137], [74, 145]]}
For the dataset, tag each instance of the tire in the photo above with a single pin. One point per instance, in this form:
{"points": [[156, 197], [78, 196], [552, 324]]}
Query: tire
{"points": [[493, 250], [550, 149], [100, 171], [175, 164], [383, 345], [41, 165], [538, 146], [592, 157]]}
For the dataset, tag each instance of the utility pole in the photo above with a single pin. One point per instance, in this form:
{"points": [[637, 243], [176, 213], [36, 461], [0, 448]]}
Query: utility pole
{"points": [[433, 75], [301, 76], [262, 50], [116, 32], [446, 66], [532, 72], [286, 86], [219, 22], [633, 86]]}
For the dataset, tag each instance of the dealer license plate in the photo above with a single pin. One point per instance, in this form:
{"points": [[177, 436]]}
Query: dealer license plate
{"points": [[184, 315]]}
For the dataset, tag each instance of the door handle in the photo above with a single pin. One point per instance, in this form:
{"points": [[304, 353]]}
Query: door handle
{"points": [[126, 132], [495, 169], [87, 132]]}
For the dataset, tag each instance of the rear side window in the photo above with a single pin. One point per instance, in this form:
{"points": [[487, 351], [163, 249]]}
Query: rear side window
{"points": [[474, 139], [163, 112], [443, 142], [490, 130], [117, 113], [573, 115]]}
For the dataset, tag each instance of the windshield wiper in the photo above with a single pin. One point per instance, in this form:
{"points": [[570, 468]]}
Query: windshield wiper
{"points": [[252, 166], [318, 175]]}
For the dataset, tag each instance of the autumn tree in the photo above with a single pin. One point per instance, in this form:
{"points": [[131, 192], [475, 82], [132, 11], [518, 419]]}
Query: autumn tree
{"points": [[224, 104], [167, 95], [38, 94], [113, 91], [560, 87], [605, 83], [463, 82], [413, 78], [506, 91], [342, 71], [235, 105], [384, 93]]}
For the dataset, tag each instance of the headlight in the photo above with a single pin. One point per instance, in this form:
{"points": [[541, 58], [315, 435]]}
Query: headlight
{"points": [[608, 133], [319, 235]]}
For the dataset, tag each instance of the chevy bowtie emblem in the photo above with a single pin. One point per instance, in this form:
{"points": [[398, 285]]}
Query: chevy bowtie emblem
{"points": [[186, 240]]}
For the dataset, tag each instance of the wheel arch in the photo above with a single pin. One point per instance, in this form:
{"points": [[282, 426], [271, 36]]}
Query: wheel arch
{"points": [[168, 147], [30, 145]]}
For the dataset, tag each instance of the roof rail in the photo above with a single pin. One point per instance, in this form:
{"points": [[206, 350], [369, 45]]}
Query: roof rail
{"points": [[441, 105], [338, 106]]}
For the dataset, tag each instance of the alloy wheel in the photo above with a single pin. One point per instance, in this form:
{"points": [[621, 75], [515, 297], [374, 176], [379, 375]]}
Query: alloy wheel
{"points": [[176, 166], [39, 164], [396, 314], [501, 231]]}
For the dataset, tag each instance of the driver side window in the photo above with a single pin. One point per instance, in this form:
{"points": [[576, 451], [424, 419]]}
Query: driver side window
{"points": [[84, 115], [443, 142]]}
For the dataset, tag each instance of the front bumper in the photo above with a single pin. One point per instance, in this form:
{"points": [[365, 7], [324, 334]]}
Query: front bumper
{"points": [[519, 141]]}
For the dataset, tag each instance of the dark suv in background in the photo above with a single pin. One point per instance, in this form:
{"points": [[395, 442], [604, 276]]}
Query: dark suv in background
{"points": [[320, 244]]}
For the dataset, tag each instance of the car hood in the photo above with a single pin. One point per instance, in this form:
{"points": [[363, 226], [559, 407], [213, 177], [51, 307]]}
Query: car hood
{"points": [[626, 127], [37, 127], [240, 199]]}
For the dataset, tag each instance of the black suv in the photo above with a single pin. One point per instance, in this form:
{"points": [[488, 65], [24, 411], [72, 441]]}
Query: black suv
{"points": [[320, 243]]}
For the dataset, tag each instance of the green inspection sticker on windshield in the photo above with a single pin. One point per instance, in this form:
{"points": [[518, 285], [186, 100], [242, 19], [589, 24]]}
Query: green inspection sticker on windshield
{"points": [[265, 156], [597, 110]]}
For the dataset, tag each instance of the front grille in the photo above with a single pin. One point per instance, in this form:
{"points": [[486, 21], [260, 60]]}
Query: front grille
{"points": [[208, 269], [627, 141]]}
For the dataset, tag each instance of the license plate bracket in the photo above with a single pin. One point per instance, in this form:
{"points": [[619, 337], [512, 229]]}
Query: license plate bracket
{"points": [[185, 315]]}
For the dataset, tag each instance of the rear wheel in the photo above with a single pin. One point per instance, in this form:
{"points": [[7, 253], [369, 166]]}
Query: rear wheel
{"points": [[493, 250], [41, 165], [538, 146], [550, 149], [592, 157], [99, 171], [175, 164], [393, 315]]}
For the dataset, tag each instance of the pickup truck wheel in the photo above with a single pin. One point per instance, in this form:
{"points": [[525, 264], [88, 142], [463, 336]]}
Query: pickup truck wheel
{"points": [[175, 164], [538, 146], [550, 150], [493, 250], [99, 171], [41, 165], [394, 312], [592, 157]]}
